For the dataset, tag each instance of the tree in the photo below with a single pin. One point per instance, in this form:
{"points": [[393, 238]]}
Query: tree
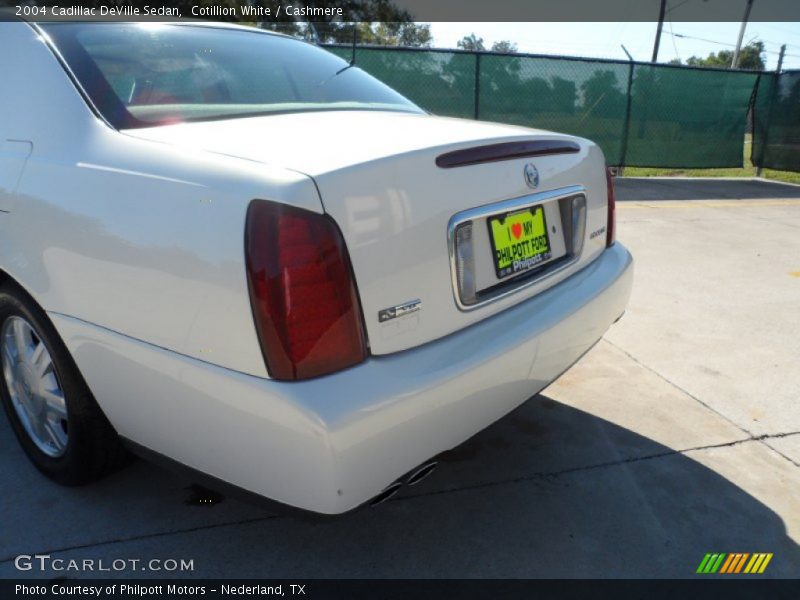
{"points": [[380, 22], [475, 44], [504, 46], [394, 34], [415, 34], [471, 42], [751, 57], [374, 34], [602, 95]]}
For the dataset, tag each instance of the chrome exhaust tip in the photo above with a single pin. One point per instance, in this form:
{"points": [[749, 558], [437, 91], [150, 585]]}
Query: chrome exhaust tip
{"points": [[412, 478], [387, 493], [422, 473]]}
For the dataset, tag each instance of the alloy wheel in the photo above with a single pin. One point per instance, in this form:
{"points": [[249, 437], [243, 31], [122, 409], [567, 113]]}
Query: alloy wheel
{"points": [[34, 387]]}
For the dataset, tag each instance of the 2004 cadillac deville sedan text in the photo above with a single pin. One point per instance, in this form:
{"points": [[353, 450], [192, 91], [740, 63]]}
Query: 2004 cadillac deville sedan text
{"points": [[236, 251]]}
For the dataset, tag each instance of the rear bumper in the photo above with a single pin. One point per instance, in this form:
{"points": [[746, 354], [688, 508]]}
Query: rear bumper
{"points": [[329, 444]]}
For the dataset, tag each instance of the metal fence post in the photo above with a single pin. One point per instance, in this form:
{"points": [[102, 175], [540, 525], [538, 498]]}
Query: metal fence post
{"points": [[477, 85], [775, 88], [627, 126]]}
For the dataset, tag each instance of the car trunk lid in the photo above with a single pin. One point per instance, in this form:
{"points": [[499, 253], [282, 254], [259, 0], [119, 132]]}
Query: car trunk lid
{"points": [[399, 210]]}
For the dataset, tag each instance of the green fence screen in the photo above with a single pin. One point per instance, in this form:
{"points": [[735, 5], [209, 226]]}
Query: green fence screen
{"points": [[683, 117], [561, 95], [640, 114], [776, 122]]}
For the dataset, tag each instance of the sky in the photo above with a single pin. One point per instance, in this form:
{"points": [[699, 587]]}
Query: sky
{"points": [[603, 39]]}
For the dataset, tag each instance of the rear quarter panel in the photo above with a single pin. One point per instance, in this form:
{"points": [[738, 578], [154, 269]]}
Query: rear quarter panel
{"points": [[134, 236]]}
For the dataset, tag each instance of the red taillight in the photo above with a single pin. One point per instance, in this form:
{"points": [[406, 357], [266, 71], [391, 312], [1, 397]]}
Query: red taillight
{"points": [[611, 222], [302, 290]]}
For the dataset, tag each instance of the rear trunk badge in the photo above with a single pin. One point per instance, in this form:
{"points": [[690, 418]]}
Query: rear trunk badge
{"points": [[387, 314], [531, 175]]}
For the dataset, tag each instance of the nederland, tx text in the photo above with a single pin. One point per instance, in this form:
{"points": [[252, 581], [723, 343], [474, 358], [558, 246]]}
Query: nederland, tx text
{"points": [[137, 590]]}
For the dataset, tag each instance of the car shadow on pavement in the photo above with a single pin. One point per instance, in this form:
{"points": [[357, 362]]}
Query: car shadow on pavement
{"points": [[649, 189], [548, 491]]}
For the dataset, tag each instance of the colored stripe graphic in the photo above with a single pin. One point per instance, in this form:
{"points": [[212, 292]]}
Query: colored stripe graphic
{"points": [[728, 564], [741, 562], [759, 562], [754, 563], [711, 562], [733, 563], [703, 563], [737, 559], [716, 565], [765, 563]]}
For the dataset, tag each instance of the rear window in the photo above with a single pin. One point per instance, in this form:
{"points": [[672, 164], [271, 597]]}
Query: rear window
{"points": [[142, 75]]}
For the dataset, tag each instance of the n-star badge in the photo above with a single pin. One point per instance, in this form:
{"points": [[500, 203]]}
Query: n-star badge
{"points": [[387, 314]]}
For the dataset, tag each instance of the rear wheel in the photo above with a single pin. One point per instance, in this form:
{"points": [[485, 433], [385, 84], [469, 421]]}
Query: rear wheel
{"points": [[51, 410]]}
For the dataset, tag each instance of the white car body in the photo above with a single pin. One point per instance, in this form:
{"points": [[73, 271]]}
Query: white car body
{"points": [[132, 242]]}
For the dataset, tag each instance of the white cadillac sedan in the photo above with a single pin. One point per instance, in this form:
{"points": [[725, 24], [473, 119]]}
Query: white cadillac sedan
{"points": [[236, 252]]}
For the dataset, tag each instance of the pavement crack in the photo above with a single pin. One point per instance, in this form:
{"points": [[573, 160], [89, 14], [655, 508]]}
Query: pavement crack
{"points": [[775, 450], [775, 436], [680, 389], [751, 437]]}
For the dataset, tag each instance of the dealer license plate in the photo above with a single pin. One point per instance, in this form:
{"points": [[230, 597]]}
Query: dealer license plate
{"points": [[519, 241]]}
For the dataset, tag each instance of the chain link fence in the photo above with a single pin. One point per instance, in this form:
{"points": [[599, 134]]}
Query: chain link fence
{"points": [[641, 114]]}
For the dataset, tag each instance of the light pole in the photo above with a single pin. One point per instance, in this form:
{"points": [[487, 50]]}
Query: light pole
{"points": [[658, 29], [735, 61]]}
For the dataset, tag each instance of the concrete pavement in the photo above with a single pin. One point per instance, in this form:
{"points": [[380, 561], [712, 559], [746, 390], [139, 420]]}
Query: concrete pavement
{"points": [[677, 435]]}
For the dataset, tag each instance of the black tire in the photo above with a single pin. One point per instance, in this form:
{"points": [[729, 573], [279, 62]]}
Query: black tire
{"points": [[93, 448]]}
